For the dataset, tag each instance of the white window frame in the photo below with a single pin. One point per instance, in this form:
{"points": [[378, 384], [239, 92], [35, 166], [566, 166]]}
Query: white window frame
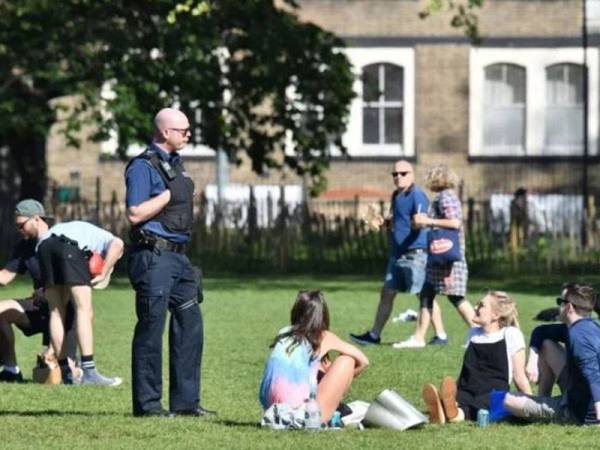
{"points": [[535, 61], [353, 138]]}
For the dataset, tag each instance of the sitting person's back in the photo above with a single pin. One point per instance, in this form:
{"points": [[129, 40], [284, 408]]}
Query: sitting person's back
{"points": [[299, 365], [289, 373], [581, 404]]}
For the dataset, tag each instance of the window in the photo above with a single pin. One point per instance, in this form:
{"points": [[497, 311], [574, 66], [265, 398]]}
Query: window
{"points": [[504, 109], [593, 15], [382, 104], [564, 109], [381, 121], [529, 101]]}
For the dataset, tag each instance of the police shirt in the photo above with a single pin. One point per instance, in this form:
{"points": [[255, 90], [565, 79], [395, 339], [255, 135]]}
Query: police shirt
{"points": [[144, 182]]}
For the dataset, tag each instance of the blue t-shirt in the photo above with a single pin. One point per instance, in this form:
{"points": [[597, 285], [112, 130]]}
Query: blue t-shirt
{"points": [[583, 364], [24, 259], [404, 206], [144, 182]]}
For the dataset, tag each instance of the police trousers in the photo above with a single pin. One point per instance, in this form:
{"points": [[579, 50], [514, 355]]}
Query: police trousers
{"points": [[165, 280]]}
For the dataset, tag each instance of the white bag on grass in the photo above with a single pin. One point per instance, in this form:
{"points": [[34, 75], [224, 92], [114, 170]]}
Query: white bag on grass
{"points": [[390, 410]]}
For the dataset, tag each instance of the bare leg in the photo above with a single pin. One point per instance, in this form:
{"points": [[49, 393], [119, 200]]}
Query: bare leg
{"points": [[515, 404], [82, 297], [436, 320], [334, 385], [467, 312], [384, 310], [57, 318], [423, 324], [551, 362], [10, 312], [7, 344]]}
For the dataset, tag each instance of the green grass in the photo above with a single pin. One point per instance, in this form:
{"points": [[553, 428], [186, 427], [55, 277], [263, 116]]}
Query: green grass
{"points": [[241, 316]]}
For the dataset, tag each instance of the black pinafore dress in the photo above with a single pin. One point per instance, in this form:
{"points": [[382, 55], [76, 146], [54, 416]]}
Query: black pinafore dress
{"points": [[485, 368]]}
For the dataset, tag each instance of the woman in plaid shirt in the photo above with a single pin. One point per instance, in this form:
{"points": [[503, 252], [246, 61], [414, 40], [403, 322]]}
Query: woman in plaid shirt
{"points": [[448, 279]]}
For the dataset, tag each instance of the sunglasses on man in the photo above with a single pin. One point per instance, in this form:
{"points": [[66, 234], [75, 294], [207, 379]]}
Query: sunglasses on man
{"points": [[21, 225], [402, 174], [561, 301]]}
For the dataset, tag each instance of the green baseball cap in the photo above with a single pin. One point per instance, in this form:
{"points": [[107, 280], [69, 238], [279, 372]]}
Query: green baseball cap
{"points": [[30, 208]]}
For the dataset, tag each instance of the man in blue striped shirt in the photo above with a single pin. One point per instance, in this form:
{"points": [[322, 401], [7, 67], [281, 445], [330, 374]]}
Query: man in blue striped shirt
{"points": [[580, 402]]}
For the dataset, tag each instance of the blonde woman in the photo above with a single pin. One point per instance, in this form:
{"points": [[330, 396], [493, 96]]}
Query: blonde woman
{"points": [[495, 357], [448, 279]]}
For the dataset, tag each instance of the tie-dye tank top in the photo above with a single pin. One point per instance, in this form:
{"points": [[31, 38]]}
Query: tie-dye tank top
{"points": [[288, 376]]}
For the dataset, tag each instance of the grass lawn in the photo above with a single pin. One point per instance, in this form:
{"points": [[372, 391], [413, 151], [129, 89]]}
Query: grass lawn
{"points": [[241, 316]]}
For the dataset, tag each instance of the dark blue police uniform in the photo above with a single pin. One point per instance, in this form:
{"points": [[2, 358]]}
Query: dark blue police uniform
{"points": [[164, 279]]}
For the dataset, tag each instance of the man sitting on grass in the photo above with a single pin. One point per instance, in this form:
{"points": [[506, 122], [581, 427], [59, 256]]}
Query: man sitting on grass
{"points": [[30, 315], [580, 402]]}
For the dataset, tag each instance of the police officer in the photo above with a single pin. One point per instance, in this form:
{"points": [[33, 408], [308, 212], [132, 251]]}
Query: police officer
{"points": [[160, 209]]}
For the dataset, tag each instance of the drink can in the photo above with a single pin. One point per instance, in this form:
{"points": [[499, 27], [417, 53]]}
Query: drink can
{"points": [[336, 420], [483, 418]]}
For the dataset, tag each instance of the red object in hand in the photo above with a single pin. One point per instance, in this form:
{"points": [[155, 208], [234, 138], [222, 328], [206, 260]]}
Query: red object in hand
{"points": [[96, 264]]}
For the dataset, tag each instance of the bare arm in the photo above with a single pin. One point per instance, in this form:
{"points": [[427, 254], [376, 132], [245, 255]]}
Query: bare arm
{"points": [[148, 209], [518, 369], [114, 252], [531, 369], [6, 276], [332, 342], [422, 220]]}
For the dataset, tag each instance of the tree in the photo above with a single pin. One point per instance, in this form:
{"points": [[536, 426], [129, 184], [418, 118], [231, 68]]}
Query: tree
{"points": [[250, 75]]}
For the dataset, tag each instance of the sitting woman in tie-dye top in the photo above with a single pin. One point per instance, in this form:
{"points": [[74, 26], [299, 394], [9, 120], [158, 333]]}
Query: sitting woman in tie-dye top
{"points": [[300, 359]]}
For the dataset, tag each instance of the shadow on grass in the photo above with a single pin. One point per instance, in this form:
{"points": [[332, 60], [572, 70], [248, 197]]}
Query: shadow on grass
{"points": [[233, 423], [54, 412]]}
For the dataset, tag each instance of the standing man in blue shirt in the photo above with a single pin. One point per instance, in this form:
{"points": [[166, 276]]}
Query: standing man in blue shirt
{"points": [[580, 401], [159, 200], [408, 256]]}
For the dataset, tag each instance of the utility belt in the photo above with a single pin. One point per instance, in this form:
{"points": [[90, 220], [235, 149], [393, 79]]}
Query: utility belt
{"points": [[144, 239]]}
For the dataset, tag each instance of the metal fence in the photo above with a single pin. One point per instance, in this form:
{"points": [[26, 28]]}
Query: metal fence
{"points": [[324, 236]]}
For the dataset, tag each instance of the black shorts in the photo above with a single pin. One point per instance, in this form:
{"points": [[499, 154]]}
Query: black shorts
{"points": [[62, 262], [38, 314]]}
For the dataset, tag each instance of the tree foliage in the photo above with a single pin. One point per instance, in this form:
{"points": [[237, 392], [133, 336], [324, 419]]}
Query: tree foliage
{"points": [[463, 14], [251, 76]]}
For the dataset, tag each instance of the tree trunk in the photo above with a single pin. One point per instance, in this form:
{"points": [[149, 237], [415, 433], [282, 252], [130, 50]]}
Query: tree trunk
{"points": [[28, 155]]}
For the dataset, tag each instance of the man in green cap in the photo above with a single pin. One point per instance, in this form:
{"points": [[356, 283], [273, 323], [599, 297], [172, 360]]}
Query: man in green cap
{"points": [[30, 315]]}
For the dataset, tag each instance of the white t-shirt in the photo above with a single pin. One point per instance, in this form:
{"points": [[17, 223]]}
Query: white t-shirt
{"points": [[87, 235], [514, 341]]}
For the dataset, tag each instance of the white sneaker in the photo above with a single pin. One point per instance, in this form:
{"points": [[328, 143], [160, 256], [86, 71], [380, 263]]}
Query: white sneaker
{"points": [[411, 342]]}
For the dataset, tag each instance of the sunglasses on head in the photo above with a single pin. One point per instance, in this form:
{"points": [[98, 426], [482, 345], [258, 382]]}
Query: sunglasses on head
{"points": [[402, 174]]}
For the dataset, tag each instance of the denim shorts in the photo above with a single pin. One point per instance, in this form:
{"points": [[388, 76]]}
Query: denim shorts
{"points": [[406, 273]]}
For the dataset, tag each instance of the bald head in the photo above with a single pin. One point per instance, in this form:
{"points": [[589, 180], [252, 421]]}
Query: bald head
{"points": [[170, 118], [172, 129], [403, 174]]}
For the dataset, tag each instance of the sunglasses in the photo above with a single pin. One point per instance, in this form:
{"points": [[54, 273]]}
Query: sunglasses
{"points": [[402, 174], [183, 131], [561, 301], [21, 225]]}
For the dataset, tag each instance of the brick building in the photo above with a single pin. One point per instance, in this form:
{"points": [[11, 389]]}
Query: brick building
{"points": [[506, 113]]}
